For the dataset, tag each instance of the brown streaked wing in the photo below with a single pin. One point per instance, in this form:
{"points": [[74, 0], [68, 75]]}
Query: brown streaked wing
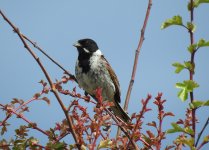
{"points": [[114, 79]]}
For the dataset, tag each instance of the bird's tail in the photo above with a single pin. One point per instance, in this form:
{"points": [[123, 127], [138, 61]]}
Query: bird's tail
{"points": [[119, 112]]}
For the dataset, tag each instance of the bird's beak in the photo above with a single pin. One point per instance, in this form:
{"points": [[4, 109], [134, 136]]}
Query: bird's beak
{"points": [[77, 44]]}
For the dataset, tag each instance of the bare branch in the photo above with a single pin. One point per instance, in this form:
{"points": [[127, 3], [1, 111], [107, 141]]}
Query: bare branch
{"points": [[50, 58], [128, 94], [137, 56]]}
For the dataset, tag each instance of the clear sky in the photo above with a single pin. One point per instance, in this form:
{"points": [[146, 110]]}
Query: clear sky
{"points": [[115, 26]]}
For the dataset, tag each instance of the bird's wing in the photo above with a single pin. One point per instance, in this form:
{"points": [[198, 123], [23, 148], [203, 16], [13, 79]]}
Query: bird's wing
{"points": [[114, 79]]}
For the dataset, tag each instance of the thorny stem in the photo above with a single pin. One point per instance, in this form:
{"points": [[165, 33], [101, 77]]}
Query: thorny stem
{"points": [[159, 131], [191, 73], [139, 119], [69, 119], [97, 132]]}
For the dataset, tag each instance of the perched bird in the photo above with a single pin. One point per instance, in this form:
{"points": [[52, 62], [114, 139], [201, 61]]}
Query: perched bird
{"points": [[93, 71]]}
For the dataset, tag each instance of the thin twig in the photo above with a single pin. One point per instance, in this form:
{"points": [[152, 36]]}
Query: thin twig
{"points": [[49, 57], [200, 134], [124, 131], [25, 119], [128, 94], [203, 143], [19, 107], [137, 56], [143, 110], [53, 89]]}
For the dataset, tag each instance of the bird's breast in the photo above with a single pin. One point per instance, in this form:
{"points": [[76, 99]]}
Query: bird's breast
{"points": [[96, 77]]}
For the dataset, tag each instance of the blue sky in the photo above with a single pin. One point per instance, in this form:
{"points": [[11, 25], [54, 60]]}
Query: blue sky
{"points": [[115, 26]]}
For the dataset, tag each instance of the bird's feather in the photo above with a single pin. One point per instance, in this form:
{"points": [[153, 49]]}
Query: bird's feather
{"points": [[114, 79]]}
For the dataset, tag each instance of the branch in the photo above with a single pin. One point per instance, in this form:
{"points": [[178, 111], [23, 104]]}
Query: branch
{"points": [[10, 110], [124, 131], [137, 56], [191, 72], [141, 115], [50, 58], [19, 107], [68, 117], [200, 134], [203, 143], [128, 94]]}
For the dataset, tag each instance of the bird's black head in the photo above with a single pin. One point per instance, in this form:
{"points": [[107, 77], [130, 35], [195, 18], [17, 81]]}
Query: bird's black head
{"points": [[86, 46]]}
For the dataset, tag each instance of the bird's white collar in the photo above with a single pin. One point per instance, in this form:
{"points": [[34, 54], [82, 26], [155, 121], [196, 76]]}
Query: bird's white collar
{"points": [[98, 53]]}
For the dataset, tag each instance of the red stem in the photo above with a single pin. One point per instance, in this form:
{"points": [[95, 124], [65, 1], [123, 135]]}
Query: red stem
{"points": [[137, 56], [19, 107], [124, 130], [53, 89], [128, 94], [139, 119], [25, 119]]}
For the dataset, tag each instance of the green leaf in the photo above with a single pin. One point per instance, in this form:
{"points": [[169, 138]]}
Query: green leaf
{"points": [[56, 146], [33, 142], [202, 43], [105, 144], [189, 130], [20, 144], [186, 87], [176, 20], [206, 139], [196, 104], [196, 3], [176, 128], [59, 146], [187, 141], [191, 26], [188, 65], [183, 94], [192, 48], [179, 67]]}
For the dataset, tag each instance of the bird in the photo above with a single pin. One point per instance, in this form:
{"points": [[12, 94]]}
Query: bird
{"points": [[93, 71]]}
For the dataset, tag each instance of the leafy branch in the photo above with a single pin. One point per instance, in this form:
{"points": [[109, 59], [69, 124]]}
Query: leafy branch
{"points": [[187, 87]]}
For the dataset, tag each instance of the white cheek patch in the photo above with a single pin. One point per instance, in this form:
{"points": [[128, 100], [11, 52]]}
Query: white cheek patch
{"points": [[86, 50]]}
